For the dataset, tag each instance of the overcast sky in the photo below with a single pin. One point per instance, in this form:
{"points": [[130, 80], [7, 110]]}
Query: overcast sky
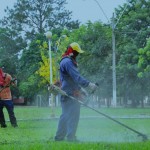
{"points": [[83, 10]]}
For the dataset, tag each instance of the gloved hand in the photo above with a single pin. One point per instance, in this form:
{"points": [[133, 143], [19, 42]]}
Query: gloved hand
{"points": [[14, 81], [52, 89], [92, 87]]}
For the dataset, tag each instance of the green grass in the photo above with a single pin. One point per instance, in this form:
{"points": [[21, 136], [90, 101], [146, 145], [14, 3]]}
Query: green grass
{"points": [[37, 130], [75, 146]]}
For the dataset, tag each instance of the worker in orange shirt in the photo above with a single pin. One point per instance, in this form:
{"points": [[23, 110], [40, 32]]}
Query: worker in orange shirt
{"points": [[6, 99]]}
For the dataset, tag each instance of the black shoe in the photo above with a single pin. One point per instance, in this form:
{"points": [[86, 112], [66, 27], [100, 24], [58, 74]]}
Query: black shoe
{"points": [[3, 126], [56, 140], [76, 141], [14, 125], [59, 139], [73, 140]]}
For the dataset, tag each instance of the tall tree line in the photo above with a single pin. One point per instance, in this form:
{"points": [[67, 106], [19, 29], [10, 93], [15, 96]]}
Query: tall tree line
{"points": [[23, 33], [25, 23]]}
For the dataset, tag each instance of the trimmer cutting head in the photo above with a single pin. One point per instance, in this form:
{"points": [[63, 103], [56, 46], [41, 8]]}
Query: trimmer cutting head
{"points": [[144, 137]]}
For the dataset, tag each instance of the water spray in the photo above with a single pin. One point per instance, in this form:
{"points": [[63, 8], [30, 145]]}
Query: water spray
{"points": [[144, 137], [55, 89]]}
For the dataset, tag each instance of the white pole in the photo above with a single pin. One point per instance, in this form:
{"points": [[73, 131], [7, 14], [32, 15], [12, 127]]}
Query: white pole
{"points": [[114, 64], [51, 73], [49, 35], [114, 55], [50, 61]]}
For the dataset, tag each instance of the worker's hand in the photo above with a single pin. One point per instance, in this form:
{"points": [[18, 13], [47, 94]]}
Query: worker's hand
{"points": [[92, 87], [52, 89], [14, 81]]}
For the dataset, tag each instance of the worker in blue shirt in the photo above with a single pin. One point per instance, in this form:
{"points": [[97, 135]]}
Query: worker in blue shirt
{"points": [[71, 83]]}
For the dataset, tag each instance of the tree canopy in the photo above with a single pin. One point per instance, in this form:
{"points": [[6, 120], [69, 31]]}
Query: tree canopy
{"points": [[24, 47]]}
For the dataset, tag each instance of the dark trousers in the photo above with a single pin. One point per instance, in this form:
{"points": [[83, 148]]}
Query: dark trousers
{"points": [[68, 121], [10, 109]]}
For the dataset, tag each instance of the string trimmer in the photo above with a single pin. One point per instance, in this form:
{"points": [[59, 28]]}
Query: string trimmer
{"points": [[55, 89]]}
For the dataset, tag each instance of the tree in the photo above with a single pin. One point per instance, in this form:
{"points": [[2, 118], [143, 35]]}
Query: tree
{"points": [[44, 69], [96, 62], [37, 16], [24, 23], [135, 20], [132, 32], [144, 60], [144, 67], [28, 65], [9, 50]]}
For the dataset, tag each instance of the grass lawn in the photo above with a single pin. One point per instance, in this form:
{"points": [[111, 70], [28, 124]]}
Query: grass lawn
{"points": [[37, 129]]}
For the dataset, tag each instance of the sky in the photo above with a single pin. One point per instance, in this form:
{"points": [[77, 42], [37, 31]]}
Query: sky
{"points": [[82, 10]]}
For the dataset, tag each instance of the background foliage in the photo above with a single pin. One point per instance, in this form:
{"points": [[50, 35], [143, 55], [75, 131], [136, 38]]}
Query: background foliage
{"points": [[24, 48]]}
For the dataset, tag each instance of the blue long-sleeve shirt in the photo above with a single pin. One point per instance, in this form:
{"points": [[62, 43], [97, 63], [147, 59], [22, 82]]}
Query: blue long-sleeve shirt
{"points": [[70, 77]]}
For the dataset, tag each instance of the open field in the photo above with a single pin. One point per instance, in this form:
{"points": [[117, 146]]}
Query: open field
{"points": [[37, 129]]}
